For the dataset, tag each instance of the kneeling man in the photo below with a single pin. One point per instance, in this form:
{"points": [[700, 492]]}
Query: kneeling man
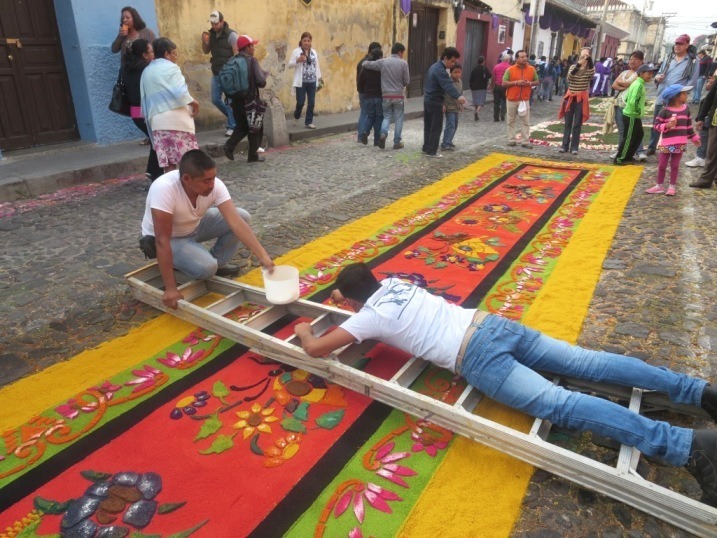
{"points": [[186, 207], [500, 358]]}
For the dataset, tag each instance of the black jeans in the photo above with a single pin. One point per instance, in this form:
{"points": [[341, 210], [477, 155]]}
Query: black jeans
{"points": [[242, 130], [499, 103], [153, 168], [633, 136], [573, 126], [432, 126]]}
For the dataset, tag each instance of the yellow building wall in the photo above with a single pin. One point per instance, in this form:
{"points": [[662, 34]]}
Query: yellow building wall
{"points": [[341, 30], [341, 33]]}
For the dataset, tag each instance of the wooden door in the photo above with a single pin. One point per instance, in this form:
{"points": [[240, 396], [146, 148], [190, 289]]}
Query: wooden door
{"points": [[422, 46], [35, 100], [473, 47]]}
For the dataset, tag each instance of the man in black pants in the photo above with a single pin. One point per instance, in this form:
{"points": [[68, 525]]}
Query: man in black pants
{"points": [[257, 79], [438, 83]]}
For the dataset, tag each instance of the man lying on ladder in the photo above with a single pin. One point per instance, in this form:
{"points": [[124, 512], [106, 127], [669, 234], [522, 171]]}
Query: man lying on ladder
{"points": [[499, 358]]}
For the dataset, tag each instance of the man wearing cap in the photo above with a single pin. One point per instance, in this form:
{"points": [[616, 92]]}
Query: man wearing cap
{"points": [[632, 115], [707, 117], [221, 42], [257, 79], [679, 67]]}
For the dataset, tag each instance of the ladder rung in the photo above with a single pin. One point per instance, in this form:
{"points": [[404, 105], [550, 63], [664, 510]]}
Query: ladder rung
{"points": [[228, 303], [541, 427], [468, 399], [409, 372], [193, 289], [629, 456], [266, 317], [353, 353]]}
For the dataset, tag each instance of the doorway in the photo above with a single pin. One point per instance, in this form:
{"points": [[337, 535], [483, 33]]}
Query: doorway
{"points": [[472, 48], [35, 101], [422, 46]]}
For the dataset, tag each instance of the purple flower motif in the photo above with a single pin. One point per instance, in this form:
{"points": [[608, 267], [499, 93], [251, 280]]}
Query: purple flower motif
{"points": [[145, 378]]}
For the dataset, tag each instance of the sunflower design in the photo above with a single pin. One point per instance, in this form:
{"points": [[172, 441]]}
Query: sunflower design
{"points": [[299, 385], [257, 419]]}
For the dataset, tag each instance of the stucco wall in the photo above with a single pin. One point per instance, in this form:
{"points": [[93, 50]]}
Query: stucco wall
{"points": [[87, 29], [341, 33]]}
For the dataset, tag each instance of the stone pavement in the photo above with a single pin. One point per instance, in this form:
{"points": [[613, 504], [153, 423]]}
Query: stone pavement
{"points": [[64, 257]]}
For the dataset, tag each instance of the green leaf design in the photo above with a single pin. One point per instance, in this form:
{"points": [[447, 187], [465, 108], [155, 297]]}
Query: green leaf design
{"points": [[430, 260], [220, 390], [51, 507], [209, 427], [254, 445], [293, 425], [168, 508], [440, 265], [137, 534], [95, 476], [492, 257], [285, 378], [330, 420], [188, 532], [29, 531], [302, 412], [221, 444]]}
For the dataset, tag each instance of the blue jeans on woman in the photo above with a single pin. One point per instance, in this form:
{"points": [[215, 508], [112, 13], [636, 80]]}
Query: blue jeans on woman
{"points": [[192, 259], [307, 92], [501, 360], [374, 117]]}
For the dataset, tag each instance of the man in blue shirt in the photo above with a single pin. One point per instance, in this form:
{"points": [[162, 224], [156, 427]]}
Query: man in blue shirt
{"points": [[438, 83], [679, 68]]}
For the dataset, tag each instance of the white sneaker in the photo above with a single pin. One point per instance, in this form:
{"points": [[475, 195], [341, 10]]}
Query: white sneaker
{"points": [[695, 163], [229, 132], [311, 126], [641, 157], [613, 155], [260, 150]]}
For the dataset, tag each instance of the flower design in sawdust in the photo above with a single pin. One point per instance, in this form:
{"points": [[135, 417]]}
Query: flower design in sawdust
{"points": [[255, 420], [283, 449], [72, 408], [303, 386], [146, 378], [429, 438], [388, 468], [189, 404], [374, 495]]}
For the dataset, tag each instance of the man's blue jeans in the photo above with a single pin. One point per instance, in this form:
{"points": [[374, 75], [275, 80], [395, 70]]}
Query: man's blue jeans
{"points": [[450, 129], [305, 94], [704, 140], [697, 95], [393, 113], [218, 102], [193, 259], [501, 360], [362, 116], [374, 117]]}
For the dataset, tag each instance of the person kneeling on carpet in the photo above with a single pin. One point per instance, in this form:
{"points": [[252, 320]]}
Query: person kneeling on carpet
{"points": [[186, 207], [500, 358]]}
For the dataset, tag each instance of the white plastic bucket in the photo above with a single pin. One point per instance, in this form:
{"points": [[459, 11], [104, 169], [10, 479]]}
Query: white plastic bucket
{"points": [[282, 285]]}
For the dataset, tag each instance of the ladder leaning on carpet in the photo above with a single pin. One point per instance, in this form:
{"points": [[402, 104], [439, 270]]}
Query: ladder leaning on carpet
{"points": [[620, 482]]}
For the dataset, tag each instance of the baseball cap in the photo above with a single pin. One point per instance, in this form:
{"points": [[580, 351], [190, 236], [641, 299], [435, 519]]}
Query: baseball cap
{"points": [[674, 89], [684, 39], [644, 68], [215, 17], [244, 41]]}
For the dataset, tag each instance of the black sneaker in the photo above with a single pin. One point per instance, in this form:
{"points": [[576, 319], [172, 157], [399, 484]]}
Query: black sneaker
{"points": [[650, 151], [703, 463], [229, 269], [709, 401]]}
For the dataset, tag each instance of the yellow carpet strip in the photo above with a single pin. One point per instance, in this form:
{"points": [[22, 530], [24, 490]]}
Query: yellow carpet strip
{"points": [[495, 491]]}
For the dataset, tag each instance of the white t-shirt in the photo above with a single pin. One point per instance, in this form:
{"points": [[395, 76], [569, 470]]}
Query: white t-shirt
{"points": [[411, 319], [168, 195]]}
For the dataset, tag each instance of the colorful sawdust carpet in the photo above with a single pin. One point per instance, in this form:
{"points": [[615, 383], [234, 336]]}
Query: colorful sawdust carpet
{"points": [[174, 431]]}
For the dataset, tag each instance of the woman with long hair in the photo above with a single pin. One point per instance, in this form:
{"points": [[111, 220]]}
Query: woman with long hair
{"points": [[132, 27], [307, 77], [138, 57], [575, 107]]}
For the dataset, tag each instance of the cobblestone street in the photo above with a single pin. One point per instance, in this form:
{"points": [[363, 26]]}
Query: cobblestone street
{"points": [[62, 264]]}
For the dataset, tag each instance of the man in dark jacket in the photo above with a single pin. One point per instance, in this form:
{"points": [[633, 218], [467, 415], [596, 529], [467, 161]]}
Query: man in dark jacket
{"points": [[706, 117], [438, 83], [362, 111], [221, 42]]}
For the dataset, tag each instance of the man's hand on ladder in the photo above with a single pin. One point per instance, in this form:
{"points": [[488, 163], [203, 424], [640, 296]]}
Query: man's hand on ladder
{"points": [[171, 298]]}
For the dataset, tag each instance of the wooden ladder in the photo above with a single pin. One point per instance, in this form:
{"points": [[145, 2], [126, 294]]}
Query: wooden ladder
{"points": [[620, 482]]}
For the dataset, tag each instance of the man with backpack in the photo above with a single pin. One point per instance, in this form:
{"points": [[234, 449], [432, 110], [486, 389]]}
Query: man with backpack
{"points": [[243, 76], [680, 67], [221, 42]]}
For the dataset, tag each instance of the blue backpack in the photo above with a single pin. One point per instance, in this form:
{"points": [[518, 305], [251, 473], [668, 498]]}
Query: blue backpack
{"points": [[234, 77]]}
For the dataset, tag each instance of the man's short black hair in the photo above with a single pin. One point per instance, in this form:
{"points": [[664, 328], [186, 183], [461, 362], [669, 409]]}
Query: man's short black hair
{"points": [[356, 281], [397, 47], [195, 162], [374, 45], [450, 52]]}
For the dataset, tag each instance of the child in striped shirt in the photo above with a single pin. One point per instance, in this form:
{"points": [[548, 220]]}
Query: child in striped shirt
{"points": [[675, 125]]}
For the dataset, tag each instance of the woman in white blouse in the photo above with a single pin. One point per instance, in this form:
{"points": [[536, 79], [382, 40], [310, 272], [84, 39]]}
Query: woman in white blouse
{"points": [[307, 77]]}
